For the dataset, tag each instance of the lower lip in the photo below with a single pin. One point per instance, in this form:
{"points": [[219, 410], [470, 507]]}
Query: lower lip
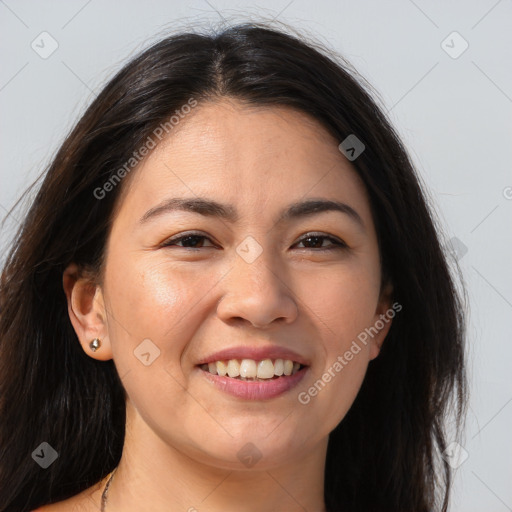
{"points": [[255, 390]]}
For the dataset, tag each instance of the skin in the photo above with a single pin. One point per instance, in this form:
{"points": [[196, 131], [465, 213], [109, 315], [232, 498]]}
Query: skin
{"points": [[183, 434]]}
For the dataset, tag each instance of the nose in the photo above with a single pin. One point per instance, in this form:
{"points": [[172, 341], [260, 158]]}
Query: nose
{"points": [[257, 293]]}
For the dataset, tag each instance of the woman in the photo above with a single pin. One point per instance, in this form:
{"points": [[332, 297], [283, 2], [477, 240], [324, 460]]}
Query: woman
{"points": [[229, 294]]}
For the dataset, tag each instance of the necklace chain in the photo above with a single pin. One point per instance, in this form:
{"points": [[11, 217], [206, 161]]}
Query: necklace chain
{"points": [[105, 492]]}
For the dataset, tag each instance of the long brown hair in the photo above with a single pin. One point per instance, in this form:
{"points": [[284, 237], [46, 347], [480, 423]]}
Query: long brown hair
{"points": [[385, 454]]}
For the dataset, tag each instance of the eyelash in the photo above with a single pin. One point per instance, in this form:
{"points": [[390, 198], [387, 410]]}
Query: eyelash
{"points": [[337, 244]]}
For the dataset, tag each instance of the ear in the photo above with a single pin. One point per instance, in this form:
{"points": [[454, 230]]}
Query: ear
{"points": [[382, 320], [86, 309]]}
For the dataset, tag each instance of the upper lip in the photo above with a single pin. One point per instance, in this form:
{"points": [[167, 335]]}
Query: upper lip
{"points": [[255, 353]]}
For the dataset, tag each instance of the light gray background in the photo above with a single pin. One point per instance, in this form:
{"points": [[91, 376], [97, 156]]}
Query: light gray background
{"points": [[454, 115]]}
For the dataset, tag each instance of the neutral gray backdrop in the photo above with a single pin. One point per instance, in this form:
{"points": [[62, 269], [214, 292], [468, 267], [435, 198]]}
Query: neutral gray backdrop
{"points": [[451, 104]]}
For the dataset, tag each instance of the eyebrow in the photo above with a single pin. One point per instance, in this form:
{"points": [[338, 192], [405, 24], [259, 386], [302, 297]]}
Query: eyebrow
{"points": [[227, 212]]}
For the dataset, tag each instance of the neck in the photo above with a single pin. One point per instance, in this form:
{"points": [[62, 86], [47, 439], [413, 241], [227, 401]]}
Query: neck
{"points": [[153, 475]]}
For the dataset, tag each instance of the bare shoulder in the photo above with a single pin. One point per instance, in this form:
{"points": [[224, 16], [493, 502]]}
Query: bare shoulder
{"points": [[86, 501]]}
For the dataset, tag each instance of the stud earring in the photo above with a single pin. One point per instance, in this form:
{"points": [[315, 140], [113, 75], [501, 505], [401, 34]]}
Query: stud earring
{"points": [[95, 344]]}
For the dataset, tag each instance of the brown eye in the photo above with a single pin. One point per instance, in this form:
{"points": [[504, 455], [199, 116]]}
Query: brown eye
{"points": [[188, 241], [317, 240]]}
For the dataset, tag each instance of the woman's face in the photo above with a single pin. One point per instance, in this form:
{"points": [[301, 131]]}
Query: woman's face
{"points": [[245, 286]]}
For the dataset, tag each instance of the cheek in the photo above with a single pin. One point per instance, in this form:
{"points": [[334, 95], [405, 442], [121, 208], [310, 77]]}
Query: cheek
{"points": [[343, 301], [154, 301]]}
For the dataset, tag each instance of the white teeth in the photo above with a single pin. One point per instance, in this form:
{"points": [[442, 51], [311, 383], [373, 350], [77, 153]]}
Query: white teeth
{"points": [[265, 369], [233, 368], [222, 368], [279, 367], [251, 369], [248, 368]]}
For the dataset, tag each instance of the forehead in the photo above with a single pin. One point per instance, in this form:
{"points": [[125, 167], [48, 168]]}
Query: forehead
{"points": [[247, 155]]}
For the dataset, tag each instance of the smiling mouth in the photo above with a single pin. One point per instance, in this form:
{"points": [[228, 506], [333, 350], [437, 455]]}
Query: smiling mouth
{"points": [[252, 370]]}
